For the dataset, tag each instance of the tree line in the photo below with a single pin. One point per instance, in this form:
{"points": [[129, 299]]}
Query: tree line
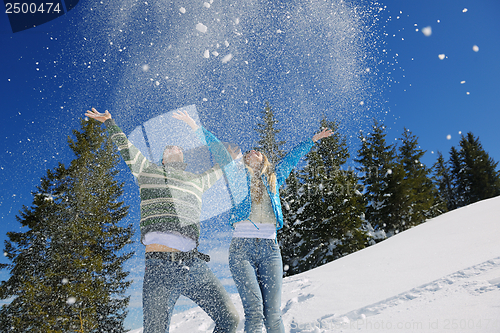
{"points": [[334, 207]]}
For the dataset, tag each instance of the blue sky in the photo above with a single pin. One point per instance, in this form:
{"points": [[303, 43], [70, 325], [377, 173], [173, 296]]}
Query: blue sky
{"points": [[351, 62]]}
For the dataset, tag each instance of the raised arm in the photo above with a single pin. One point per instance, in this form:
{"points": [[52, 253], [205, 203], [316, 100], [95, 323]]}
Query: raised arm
{"points": [[326, 132], [287, 163], [132, 156], [219, 152], [185, 117]]}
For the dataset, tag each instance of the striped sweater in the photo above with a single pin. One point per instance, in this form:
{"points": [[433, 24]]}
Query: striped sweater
{"points": [[170, 197]]}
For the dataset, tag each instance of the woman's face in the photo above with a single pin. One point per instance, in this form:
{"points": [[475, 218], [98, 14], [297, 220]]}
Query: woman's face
{"points": [[254, 159]]}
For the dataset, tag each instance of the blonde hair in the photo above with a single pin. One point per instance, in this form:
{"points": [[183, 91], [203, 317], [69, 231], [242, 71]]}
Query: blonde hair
{"points": [[256, 185]]}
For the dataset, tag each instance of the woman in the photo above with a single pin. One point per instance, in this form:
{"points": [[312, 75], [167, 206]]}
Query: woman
{"points": [[254, 255]]}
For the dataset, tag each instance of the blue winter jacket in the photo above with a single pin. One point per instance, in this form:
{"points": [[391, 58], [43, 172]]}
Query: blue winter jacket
{"points": [[238, 178]]}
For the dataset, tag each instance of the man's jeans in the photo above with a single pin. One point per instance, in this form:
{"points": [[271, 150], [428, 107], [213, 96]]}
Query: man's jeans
{"points": [[165, 281], [257, 271]]}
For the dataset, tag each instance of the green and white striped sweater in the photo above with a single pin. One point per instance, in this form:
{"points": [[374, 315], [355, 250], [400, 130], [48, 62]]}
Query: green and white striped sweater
{"points": [[170, 197]]}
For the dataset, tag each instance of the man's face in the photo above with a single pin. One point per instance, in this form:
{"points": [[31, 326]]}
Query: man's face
{"points": [[173, 154]]}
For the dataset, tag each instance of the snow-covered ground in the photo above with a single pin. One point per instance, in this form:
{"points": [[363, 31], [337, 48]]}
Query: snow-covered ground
{"points": [[442, 276]]}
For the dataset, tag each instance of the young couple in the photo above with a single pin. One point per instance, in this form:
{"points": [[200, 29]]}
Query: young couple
{"points": [[170, 211]]}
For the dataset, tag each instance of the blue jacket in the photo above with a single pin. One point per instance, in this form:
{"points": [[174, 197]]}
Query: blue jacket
{"points": [[238, 178]]}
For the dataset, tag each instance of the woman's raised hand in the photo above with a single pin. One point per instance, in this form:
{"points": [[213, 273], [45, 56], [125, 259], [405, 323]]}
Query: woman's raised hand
{"points": [[326, 132], [102, 117]]}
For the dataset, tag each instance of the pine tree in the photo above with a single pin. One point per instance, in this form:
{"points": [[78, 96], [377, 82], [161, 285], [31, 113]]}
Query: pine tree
{"points": [[480, 170], [290, 236], [268, 143], [379, 175], [67, 271], [477, 178], [329, 220], [442, 181], [399, 189], [397, 200], [457, 181], [419, 190], [299, 220]]}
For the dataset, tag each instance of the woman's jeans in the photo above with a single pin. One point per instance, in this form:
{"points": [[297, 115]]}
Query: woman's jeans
{"points": [[257, 271], [166, 280]]}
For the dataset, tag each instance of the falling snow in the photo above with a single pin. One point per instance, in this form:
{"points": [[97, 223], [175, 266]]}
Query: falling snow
{"points": [[227, 58], [427, 31], [201, 27]]}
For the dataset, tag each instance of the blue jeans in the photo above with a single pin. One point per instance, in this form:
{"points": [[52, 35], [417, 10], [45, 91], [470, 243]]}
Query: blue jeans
{"points": [[165, 281], [257, 271]]}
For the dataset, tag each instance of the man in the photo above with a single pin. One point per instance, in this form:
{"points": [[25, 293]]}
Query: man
{"points": [[170, 229]]}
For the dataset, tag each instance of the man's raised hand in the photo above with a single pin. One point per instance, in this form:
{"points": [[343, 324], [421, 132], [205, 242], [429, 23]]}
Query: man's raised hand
{"points": [[185, 117]]}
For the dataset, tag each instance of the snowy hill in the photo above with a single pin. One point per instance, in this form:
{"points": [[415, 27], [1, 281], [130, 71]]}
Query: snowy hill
{"points": [[441, 276]]}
